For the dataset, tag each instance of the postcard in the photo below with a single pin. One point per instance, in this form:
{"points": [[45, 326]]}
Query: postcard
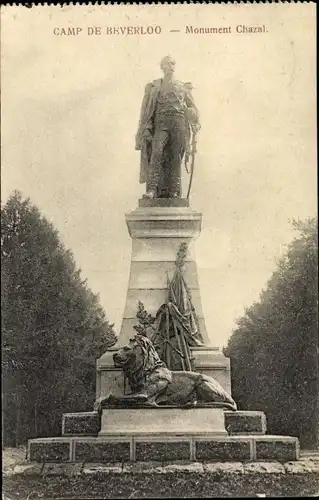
{"points": [[165, 154]]}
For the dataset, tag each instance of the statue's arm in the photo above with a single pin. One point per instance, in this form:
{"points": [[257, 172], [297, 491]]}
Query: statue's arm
{"points": [[145, 122], [192, 111]]}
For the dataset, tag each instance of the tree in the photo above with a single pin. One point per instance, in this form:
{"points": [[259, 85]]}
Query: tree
{"points": [[274, 349], [53, 328]]}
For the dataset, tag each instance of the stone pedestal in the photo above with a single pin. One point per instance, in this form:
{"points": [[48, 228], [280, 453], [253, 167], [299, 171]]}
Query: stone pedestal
{"points": [[157, 229]]}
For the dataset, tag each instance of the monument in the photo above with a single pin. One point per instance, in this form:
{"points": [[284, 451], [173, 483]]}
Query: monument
{"points": [[163, 392]]}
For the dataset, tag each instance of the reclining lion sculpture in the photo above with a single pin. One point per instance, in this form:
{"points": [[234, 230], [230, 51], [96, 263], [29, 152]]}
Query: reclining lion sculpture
{"points": [[152, 383]]}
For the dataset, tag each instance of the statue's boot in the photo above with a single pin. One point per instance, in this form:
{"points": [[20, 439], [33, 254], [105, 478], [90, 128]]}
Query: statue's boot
{"points": [[175, 188], [150, 194]]}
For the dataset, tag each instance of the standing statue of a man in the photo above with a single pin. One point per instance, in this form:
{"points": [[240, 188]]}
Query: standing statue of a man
{"points": [[168, 119]]}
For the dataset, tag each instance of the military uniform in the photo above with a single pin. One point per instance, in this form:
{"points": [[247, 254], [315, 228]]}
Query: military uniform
{"points": [[168, 112]]}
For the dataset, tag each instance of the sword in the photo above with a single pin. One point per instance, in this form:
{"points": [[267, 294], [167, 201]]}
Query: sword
{"points": [[192, 164]]}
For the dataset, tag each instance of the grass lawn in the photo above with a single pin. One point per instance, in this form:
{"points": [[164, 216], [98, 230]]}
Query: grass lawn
{"points": [[150, 485]]}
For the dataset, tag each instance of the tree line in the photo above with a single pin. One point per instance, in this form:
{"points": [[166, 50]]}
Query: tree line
{"points": [[274, 347], [53, 327]]}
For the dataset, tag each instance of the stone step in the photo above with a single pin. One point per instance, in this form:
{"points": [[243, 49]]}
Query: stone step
{"points": [[238, 422], [163, 448], [303, 467]]}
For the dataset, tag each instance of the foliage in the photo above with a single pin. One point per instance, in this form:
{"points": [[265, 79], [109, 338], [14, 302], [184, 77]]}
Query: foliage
{"points": [[274, 349], [53, 327], [181, 255], [145, 320]]}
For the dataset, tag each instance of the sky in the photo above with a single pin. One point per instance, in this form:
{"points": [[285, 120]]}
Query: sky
{"points": [[70, 109]]}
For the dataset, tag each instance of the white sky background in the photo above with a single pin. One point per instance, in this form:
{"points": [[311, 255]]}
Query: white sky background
{"points": [[70, 108]]}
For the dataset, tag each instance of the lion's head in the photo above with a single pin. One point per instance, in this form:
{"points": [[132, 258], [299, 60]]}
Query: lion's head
{"points": [[137, 359]]}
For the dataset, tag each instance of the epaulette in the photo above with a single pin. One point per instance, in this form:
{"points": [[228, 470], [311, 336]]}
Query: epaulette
{"points": [[188, 85]]}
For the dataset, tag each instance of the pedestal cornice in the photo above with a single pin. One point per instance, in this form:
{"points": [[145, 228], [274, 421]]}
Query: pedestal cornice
{"points": [[163, 222]]}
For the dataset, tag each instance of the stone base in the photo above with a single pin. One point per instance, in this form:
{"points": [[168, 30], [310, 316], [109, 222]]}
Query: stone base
{"points": [[141, 448], [163, 202], [236, 422], [165, 421]]}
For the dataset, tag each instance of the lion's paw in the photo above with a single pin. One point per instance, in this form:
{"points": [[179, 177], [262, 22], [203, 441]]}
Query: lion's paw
{"points": [[151, 403], [190, 404]]}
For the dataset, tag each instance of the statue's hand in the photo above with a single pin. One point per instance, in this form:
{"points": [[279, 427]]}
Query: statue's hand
{"points": [[196, 127], [147, 136]]}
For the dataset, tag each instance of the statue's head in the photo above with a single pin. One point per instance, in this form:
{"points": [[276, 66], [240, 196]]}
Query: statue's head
{"points": [[168, 65]]}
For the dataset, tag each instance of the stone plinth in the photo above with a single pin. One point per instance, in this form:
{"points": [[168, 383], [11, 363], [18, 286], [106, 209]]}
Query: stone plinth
{"points": [[163, 422], [157, 229]]}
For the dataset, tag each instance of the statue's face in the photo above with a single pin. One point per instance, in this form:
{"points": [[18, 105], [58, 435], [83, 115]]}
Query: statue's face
{"points": [[168, 66]]}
